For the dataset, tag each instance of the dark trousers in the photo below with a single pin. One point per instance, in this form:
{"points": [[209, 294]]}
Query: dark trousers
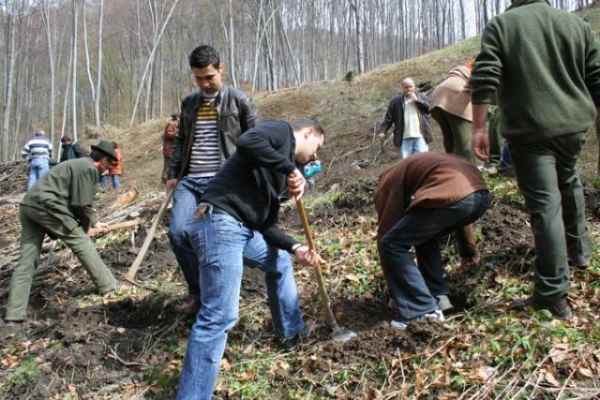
{"points": [[553, 194], [414, 287], [456, 132]]}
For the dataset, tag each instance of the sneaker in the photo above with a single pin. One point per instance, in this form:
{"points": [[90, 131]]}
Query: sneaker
{"points": [[437, 315], [559, 307], [401, 325], [444, 302]]}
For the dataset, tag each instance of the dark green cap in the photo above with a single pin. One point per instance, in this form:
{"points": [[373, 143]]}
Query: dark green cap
{"points": [[106, 147]]}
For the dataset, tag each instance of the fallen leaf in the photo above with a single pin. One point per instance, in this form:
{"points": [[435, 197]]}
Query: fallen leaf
{"points": [[551, 379], [225, 365], [585, 372]]}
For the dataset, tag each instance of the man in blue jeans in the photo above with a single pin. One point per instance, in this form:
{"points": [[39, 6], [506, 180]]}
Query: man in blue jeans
{"points": [[37, 152], [211, 122], [418, 200], [236, 224]]}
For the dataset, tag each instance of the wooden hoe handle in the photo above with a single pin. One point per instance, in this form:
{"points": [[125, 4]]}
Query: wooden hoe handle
{"points": [[325, 301]]}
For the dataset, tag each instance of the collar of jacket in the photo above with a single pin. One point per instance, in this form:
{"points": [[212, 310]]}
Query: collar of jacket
{"points": [[218, 100], [519, 3]]}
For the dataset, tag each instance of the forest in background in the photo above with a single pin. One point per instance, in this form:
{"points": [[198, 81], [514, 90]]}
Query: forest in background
{"points": [[69, 64]]}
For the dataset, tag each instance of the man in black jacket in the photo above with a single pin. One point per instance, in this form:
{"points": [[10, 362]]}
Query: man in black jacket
{"points": [[236, 224], [210, 124], [409, 113]]}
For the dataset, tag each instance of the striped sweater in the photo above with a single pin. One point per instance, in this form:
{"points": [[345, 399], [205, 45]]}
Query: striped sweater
{"points": [[38, 147], [205, 160]]}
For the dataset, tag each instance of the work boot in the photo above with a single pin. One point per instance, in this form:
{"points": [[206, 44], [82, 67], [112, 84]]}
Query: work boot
{"points": [[444, 302], [189, 305], [579, 262], [558, 306]]}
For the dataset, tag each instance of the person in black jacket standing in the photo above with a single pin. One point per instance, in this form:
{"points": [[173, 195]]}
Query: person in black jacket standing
{"points": [[236, 224], [409, 113]]}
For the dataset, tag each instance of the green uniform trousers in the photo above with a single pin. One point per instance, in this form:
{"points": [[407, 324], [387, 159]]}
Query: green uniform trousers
{"points": [[456, 133], [35, 224], [553, 193]]}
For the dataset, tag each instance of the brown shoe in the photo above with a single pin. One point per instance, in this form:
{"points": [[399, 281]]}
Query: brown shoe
{"points": [[189, 305]]}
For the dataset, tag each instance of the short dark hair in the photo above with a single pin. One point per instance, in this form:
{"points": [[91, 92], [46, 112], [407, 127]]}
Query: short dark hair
{"points": [[174, 116], [203, 56], [98, 155], [302, 123]]}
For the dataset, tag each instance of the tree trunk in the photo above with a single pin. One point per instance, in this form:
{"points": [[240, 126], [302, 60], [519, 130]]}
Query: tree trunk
{"points": [[232, 70], [12, 55], [74, 73], [52, 102]]}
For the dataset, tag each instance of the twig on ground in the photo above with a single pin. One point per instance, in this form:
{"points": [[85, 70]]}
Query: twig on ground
{"points": [[113, 354]]}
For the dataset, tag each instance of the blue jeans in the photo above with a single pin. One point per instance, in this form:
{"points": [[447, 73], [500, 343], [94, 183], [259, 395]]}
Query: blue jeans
{"points": [[105, 179], [412, 146], [38, 167], [413, 287], [223, 245], [187, 195]]}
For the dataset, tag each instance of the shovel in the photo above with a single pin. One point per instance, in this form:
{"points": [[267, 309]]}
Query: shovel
{"points": [[338, 333], [149, 237]]}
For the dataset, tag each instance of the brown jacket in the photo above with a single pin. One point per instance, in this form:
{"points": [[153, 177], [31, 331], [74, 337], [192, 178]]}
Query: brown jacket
{"points": [[426, 180], [453, 95]]}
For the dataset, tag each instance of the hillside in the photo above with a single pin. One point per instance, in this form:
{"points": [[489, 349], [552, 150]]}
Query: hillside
{"points": [[79, 345], [348, 111]]}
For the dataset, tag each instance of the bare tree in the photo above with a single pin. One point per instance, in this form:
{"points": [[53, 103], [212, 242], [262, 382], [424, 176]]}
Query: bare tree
{"points": [[74, 71], [151, 59]]}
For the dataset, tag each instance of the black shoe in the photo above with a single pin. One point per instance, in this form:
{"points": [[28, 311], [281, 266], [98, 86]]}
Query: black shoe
{"points": [[579, 262], [558, 306]]}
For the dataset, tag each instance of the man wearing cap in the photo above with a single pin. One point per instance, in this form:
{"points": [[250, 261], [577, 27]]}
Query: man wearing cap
{"points": [[37, 152], [544, 65], [60, 205]]}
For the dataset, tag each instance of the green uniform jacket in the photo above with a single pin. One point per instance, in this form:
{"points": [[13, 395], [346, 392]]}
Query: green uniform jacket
{"points": [[67, 193], [545, 65]]}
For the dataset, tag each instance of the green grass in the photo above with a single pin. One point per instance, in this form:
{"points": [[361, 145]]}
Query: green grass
{"points": [[24, 375]]}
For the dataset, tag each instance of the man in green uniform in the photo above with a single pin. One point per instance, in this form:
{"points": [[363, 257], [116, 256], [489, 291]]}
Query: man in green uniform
{"points": [[544, 64], [60, 205]]}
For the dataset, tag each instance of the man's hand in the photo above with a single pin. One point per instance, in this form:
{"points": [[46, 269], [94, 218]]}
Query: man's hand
{"points": [[307, 257], [296, 184], [171, 183], [412, 96], [381, 135], [481, 144], [100, 227]]}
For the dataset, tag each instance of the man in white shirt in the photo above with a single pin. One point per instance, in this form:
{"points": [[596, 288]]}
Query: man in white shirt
{"points": [[409, 113]]}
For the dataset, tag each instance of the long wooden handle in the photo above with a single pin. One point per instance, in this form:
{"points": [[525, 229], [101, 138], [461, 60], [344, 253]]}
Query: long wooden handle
{"points": [[325, 301], [149, 237], [114, 227]]}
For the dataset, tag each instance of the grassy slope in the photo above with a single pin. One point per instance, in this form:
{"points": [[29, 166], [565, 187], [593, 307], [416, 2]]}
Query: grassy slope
{"points": [[484, 351]]}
